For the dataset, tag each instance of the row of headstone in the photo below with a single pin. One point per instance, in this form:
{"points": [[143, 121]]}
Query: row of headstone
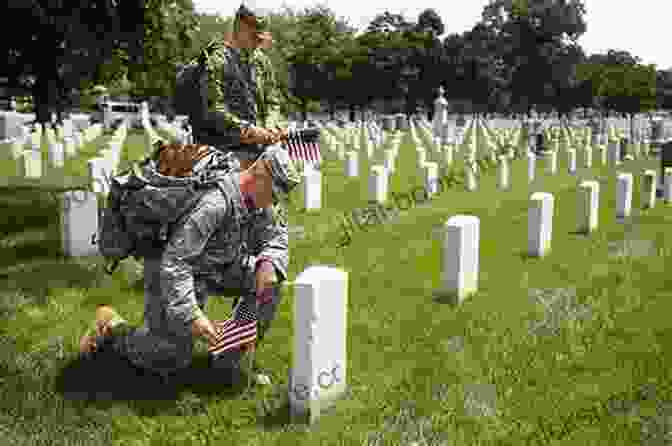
{"points": [[28, 151], [79, 212], [461, 242], [442, 157]]}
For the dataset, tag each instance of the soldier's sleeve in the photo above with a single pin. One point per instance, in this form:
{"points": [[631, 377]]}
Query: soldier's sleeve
{"points": [[272, 238], [218, 116], [272, 95], [184, 247]]}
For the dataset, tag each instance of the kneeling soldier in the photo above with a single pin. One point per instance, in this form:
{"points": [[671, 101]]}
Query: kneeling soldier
{"points": [[208, 253]]}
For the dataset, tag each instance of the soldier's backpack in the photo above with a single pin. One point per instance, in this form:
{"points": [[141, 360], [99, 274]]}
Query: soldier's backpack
{"points": [[144, 207]]}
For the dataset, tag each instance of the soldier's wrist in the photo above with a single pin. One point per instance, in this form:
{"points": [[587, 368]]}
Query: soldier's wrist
{"points": [[263, 262]]}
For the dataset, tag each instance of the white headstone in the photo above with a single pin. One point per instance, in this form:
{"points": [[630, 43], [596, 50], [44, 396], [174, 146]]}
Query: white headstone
{"points": [[67, 128], [470, 178], [69, 147], [369, 149], [318, 375], [431, 178], [649, 189], [378, 184], [16, 148], [312, 189], [588, 156], [112, 158], [144, 111], [540, 224], [421, 156], [667, 186], [31, 164], [447, 156], [531, 166], [77, 140], [461, 256], [100, 172], [107, 115], [588, 206], [614, 153], [503, 173], [624, 183], [56, 155], [388, 160], [553, 162], [351, 165], [79, 223], [571, 161], [35, 143], [340, 152]]}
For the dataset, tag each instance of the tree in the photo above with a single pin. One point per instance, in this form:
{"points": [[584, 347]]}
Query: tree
{"points": [[479, 74], [309, 51], [72, 44], [170, 29], [664, 89], [533, 36], [430, 55], [388, 23], [620, 85], [430, 22]]}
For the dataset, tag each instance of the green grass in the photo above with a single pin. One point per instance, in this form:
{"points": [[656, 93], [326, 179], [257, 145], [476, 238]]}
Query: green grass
{"points": [[570, 349]]}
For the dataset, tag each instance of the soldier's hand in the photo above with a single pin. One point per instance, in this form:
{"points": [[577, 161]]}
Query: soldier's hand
{"points": [[203, 327], [265, 276], [283, 133], [279, 135], [264, 40], [256, 135]]}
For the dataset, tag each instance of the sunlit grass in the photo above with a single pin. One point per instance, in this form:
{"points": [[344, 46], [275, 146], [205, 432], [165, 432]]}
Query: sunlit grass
{"points": [[572, 347]]}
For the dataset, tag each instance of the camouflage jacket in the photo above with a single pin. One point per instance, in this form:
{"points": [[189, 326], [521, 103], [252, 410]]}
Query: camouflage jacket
{"points": [[223, 231], [241, 92]]}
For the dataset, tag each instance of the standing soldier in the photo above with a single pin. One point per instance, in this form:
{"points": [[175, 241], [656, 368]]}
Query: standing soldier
{"points": [[243, 112]]}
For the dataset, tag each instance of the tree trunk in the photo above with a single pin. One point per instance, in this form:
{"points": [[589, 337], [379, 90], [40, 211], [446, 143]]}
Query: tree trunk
{"points": [[45, 96], [351, 113]]}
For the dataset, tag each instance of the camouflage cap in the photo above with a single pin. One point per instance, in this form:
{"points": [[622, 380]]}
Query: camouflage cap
{"points": [[250, 9], [284, 173]]}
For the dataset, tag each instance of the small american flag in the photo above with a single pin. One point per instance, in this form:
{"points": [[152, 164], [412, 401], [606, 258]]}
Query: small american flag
{"points": [[237, 332], [303, 145]]}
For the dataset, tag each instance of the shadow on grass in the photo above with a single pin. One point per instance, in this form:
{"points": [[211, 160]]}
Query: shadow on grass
{"points": [[29, 251], [107, 379], [577, 233], [53, 272], [445, 298], [32, 216], [525, 256], [277, 418]]}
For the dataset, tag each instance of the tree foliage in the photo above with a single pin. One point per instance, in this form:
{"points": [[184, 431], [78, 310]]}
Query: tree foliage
{"points": [[73, 44], [521, 54]]}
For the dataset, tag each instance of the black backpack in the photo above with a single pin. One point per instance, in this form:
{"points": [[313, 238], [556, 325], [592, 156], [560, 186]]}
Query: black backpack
{"points": [[144, 207]]}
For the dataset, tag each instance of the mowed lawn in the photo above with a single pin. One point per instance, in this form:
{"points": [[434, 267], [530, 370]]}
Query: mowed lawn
{"points": [[570, 349]]}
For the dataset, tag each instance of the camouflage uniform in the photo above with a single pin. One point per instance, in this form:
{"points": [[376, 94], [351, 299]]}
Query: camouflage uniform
{"points": [[241, 92], [213, 251]]}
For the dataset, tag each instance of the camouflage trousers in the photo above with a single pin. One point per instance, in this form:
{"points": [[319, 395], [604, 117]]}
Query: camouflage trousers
{"points": [[165, 347]]}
